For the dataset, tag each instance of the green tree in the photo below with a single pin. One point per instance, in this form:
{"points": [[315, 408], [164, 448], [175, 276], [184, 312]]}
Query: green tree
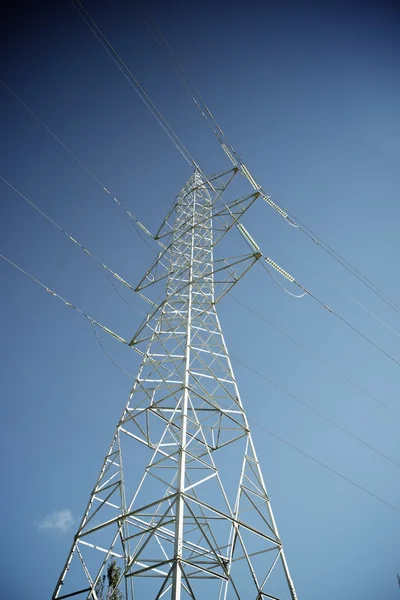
{"points": [[99, 589], [113, 575]]}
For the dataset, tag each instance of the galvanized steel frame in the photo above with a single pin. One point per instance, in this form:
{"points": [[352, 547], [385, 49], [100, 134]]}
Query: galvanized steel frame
{"points": [[191, 521]]}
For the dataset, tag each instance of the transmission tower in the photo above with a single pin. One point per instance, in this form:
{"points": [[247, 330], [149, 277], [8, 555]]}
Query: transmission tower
{"points": [[180, 506]]}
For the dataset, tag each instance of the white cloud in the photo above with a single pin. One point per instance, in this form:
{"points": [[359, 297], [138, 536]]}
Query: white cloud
{"points": [[59, 520]]}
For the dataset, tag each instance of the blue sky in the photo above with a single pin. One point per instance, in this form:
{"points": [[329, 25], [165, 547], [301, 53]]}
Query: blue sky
{"points": [[309, 95]]}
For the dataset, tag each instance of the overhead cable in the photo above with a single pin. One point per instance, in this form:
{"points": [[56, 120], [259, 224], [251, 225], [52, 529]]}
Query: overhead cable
{"points": [[326, 307], [187, 82], [236, 160], [122, 297], [322, 361], [114, 362], [178, 68], [133, 81], [348, 266], [138, 226], [85, 250], [75, 308], [151, 106], [325, 466], [318, 413], [344, 291], [279, 283], [136, 223]]}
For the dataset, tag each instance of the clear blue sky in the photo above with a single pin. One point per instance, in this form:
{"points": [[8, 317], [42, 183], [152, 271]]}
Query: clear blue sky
{"points": [[309, 94]]}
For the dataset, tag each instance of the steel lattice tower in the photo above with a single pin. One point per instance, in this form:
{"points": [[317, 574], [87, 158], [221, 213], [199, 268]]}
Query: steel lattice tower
{"points": [[180, 503]]}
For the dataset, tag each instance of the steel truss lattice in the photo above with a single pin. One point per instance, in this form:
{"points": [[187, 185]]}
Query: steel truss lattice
{"points": [[180, 503]]}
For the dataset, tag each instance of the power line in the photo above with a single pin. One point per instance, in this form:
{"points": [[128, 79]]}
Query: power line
{"points": [[121, 280], [114, 362], [348, 266], [237, 160], [105, 267], [187, 82], [326, 307], [329, 366], [339, 287], [153, 109], [115, 275], [75, 308], [135, 222], [179, 70], [122, 297], [72, 239], [325, 466], [317, 412], [245, 234], [120, 339], [138, 226], [93, 322], [120, 63], [133, 81]]}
